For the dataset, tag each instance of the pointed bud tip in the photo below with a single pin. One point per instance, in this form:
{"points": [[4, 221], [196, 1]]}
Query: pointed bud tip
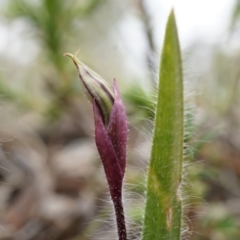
{"points": [[73, 57], [116, 89], [68, 55]]}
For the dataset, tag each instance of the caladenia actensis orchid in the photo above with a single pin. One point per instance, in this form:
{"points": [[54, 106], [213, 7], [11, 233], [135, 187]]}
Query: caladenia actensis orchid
{"points": [[110, 134]]}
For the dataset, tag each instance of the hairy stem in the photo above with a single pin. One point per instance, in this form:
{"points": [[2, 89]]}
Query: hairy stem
{"points": [[120, 219]]}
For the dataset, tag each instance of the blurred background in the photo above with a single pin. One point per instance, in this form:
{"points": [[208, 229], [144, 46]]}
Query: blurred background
{"points": [[52, 184]]}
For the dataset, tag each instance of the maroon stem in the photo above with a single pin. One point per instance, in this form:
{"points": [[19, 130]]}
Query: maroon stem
{"points": [[121, 226]]}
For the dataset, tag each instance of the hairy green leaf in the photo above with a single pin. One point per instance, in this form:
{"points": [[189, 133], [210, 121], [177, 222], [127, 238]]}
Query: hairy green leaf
{"points": [[163, 213]]}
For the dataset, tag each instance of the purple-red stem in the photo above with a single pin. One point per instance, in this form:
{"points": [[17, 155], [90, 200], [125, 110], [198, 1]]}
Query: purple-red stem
{"points": [[120, 219]]}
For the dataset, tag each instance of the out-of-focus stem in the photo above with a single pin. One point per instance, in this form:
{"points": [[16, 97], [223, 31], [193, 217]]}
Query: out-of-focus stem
{"points": [[149, 38]]}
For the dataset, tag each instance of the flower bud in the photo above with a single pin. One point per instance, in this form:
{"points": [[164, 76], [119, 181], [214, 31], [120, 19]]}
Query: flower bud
{"points": [[95, 88], [110, 134]]}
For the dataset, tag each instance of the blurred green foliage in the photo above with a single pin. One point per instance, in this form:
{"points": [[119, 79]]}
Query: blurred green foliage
{"points": [[235, 14], [53, 23]]}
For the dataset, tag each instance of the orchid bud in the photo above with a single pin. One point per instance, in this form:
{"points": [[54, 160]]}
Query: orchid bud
{"points": [[95, 88], [110, 134]]}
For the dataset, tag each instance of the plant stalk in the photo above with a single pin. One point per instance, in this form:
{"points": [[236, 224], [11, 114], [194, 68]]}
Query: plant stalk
{"points": [[120, 219]]}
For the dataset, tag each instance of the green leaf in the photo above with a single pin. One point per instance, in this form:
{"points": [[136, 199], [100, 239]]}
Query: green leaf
{"points": [[163, 212]]}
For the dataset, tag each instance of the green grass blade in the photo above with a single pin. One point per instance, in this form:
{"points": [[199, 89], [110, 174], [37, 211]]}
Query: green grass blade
{"points": [[163, 212]]}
